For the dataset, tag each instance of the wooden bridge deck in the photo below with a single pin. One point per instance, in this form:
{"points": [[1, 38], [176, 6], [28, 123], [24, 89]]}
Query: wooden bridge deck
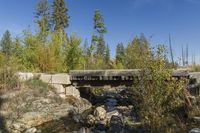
{"points": [[111, 77]]}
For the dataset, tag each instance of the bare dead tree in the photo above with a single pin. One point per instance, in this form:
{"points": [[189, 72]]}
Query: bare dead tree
{"points": [[171, 52], [187, 54], [183, 56]]}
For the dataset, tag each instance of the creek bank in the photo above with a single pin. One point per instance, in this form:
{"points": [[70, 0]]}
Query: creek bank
{"points": [[37, 103]]}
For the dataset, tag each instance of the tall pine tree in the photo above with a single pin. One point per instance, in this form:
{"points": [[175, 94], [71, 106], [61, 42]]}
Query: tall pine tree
{"points": [[60, 16], [43, 18], [98, 36]]}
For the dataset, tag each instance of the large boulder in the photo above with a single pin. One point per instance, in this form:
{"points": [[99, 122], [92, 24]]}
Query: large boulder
{"points": [[72, 91], [100, 113]]}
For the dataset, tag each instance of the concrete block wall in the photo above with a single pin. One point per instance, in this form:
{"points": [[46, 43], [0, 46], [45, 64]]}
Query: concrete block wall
{"points": [[60, 81]]}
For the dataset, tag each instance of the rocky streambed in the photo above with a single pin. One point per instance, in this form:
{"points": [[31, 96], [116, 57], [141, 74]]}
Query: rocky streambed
{"points": [[106, 115]]}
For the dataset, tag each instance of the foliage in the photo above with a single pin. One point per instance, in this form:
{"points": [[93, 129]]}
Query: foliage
{"points": [[98, 50], [74, 54], [60, 16], [136, 52], [107, 55], [99, 25], [8, 79], [120, 55], [158, 95], [39, 88], [42, 16], [6, 44]]}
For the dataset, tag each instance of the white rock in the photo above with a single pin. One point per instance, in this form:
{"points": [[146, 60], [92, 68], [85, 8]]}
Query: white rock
{"points": [[195, 130], [84, 130], [31, 130], [90, 119], [59, 88], [72, 91], [63, 96], [100, 113]]}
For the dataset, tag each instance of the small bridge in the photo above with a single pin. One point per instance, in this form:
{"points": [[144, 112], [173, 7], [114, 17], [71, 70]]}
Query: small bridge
{"points": [[113, 78]]}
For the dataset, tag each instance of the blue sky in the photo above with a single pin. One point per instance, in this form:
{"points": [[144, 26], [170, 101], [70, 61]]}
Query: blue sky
{"points": [[124, 20]]}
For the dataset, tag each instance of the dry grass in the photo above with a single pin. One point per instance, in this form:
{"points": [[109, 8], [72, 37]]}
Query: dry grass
{"points": [[194, 68]]}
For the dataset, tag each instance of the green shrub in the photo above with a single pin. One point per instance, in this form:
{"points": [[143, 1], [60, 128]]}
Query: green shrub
{"points": [[8, 79], [38, 87], [158, 95]]}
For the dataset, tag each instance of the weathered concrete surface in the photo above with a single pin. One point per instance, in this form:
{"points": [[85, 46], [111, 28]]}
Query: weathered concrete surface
{"points": [[63, 79], [58, 81], [123, 74], [25, 76]]}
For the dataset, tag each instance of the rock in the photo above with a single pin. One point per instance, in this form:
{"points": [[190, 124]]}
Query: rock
{"points": [[72, 91], [90, 119], [63, 96], [77, 118], [59, 88], [16, 126], [116, 125], [100, 113], [197, 119], [31, 130], [110, 114], [84, 130], [195, 130], [31, 119], [29, 108]]}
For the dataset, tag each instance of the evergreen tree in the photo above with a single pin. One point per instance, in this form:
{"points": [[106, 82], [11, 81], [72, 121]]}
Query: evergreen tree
{"points": [[42, 15], [6, 44], [60, 16], [107, 56], [137, 52], [120, 54], [100, 30]]}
